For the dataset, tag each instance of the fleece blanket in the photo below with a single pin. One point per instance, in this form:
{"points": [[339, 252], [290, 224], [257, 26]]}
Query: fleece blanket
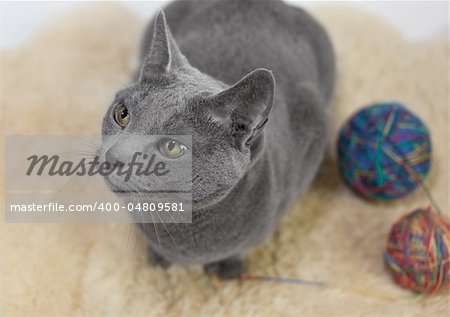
{"points": [[61, 82]]}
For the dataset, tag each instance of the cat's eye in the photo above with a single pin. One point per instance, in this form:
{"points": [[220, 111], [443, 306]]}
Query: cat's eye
{"points": [[171, 148], [121, 115]]}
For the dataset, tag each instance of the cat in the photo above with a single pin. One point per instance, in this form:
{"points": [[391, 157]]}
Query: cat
{"points": [[251, 81]]}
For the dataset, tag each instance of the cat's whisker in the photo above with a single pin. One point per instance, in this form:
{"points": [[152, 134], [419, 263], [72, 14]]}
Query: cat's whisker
{"points": [[71, 181], [175, 224], [87, 142], [155, 227], [167, 229], [137, 201], [131, 239], [134, 200], [72, 154], [156, 230]]}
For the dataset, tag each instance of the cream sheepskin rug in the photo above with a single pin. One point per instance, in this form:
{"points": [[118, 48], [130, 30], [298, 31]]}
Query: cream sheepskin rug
{"points": [[61, 83]]}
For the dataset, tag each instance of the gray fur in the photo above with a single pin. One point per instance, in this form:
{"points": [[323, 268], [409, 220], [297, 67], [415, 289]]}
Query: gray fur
{"points": [[212, 80]]}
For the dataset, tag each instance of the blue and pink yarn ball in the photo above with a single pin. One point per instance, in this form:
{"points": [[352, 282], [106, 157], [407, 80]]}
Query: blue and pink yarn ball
{"points": [[384, 151]]}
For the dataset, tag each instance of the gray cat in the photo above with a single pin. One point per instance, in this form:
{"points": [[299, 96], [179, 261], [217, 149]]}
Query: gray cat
{"points": [[250, 81]]}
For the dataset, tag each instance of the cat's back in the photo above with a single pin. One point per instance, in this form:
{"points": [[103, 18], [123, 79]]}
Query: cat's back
{"points": [[229, 38]]}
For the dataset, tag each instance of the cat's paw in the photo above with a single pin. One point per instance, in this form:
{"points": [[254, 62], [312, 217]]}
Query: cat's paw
{"points": [[227, 269], [157, 260]]}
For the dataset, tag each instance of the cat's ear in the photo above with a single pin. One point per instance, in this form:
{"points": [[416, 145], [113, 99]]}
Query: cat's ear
{"points": [[246, 105], [164, 54]]}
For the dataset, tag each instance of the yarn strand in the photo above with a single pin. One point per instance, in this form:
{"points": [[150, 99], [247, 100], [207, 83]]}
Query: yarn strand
{"points": [[295, 281], [247, 277]]}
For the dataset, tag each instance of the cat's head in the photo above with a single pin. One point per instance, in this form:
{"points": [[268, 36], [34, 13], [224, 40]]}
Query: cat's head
{"points": [[173, 98]]}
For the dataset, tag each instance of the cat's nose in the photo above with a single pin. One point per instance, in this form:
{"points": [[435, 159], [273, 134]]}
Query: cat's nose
{"points": [[111, 158]]}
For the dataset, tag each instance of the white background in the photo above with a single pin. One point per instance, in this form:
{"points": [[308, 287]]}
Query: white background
{"points": [[416, 20]]}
